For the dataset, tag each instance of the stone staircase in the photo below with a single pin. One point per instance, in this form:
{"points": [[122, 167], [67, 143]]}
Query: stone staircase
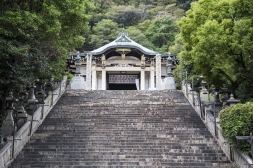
{"points": [[142, 129]]}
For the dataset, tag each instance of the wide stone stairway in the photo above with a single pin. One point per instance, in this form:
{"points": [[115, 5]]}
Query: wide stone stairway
{"points": [[142, 129]]}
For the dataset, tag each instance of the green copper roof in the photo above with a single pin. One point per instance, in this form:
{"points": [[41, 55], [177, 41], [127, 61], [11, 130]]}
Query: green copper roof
{"points": [[123, 41]]}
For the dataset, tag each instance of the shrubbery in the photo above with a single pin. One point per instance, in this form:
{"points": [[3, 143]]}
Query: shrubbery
{"points": [[237, 121]]}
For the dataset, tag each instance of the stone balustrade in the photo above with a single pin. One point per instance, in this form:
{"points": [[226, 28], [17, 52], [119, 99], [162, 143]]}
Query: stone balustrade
{"points": [[240, 159], [22, 136], [5, 155]]}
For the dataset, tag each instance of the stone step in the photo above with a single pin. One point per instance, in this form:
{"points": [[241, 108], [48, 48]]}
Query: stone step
{"points": [[122, 129], [125, 164]]}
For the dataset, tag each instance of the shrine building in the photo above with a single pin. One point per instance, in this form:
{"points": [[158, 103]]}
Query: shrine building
{"points": [[121, 64]]}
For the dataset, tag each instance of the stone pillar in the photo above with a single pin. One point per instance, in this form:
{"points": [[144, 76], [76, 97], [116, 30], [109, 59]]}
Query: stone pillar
{"points": [[99, 81], [88, 71], [146, 81], [94, 76], [152, 77], [103, 79], [158, 72], [142, 79]]}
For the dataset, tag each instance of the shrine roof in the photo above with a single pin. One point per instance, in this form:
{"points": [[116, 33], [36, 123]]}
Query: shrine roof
{"points": [[123, 41]]}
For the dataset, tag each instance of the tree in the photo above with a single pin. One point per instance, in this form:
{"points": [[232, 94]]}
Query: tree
{"points": [[137, 35], [217, 39], [185, 4], [104, 32], [162, 33], [124, 15], [33, 34], [35, 39], [102, 4]]}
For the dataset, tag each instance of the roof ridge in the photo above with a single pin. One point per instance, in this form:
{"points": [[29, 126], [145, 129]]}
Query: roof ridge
{"points": [[123, 37]]}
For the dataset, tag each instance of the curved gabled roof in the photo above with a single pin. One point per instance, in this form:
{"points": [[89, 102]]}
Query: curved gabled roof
{"points": [[123, 41]]}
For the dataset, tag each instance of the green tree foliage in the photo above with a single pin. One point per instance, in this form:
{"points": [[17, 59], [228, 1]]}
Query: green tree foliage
{"points": [[139, 15], [102, 4], [184, 4], [35, 37], [124, 15], [143, 26], [104, 32], [162, 33], [178, 44], [237, 121], [217, 39], [137, 35]]}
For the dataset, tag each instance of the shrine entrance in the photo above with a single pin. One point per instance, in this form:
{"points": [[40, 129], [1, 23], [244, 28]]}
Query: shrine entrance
{"points": [[120, 64], [123, 82], [122, 87]]}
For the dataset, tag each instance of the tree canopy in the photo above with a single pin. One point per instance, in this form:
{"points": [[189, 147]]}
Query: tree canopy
{"points": [[162, 33], [35, 37], [217, 38]]}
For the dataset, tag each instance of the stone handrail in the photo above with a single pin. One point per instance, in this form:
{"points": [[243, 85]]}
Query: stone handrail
{"points": [[5, 155], [240, 159], [23, 135], [210, 122]]}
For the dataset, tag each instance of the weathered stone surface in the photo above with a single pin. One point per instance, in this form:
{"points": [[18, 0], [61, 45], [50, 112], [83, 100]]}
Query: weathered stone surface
{"points": [[142, 129]]}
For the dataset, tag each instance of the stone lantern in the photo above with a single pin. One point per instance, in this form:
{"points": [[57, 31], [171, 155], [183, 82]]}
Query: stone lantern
{"points": [[7, 128], [31, 100], [78, 82], [169, 65], [232, 101], [21, 117], [217, 102], [204, 94], [78, 64], [21, 109], [48, 87], [169, 81], [40, 94], [225, 95]]}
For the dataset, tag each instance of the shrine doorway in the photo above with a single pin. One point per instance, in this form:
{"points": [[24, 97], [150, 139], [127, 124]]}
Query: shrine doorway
{"points": [[122, 87], [122, 82]]}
